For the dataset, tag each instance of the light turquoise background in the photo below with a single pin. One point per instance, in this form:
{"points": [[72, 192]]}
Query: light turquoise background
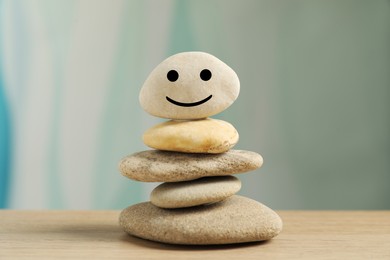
{"points": [[314, 101]]}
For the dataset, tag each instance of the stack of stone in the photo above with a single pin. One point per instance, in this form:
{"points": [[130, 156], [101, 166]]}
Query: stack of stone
{"points": [[193, 157]]}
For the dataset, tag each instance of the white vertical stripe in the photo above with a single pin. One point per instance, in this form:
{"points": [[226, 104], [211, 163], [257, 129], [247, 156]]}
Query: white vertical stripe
{"points": [[31, 118], [94, 38]]}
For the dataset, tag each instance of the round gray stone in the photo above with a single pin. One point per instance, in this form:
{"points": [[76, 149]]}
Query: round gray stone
{"points": [[165, 166], [196, 192], [235, 220]]}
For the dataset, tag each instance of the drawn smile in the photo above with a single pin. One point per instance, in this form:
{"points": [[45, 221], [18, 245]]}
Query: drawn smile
{"points": [[189, 104]]}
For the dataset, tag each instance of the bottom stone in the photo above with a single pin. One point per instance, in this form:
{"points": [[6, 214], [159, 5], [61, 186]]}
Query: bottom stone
{"points": [[235, 220]]}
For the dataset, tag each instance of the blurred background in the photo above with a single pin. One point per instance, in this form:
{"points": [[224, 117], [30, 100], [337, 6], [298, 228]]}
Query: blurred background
{"points": [[314, 101]]}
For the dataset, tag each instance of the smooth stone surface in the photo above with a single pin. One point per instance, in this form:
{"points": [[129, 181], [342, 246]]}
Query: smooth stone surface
{"points": [[198, 136], [235, 220], [163, 166], [188, 88], [193, 193]]}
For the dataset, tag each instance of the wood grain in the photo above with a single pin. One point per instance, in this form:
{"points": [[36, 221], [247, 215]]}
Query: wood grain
{"points": [[96, 235]]}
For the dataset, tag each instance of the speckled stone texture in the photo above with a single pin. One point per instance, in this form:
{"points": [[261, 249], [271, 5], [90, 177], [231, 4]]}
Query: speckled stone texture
{"points": [[193, 193], [196, 136], [196, 204], [164, 166], [235, 220]]}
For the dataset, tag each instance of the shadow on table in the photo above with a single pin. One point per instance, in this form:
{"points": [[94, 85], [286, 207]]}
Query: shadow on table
{"points": [[113, 234], [162, 246]]}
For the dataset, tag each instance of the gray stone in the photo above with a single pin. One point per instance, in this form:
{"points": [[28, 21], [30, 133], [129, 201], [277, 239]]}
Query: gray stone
{"points": [[196, 192], [234, 220], [164, 166]]}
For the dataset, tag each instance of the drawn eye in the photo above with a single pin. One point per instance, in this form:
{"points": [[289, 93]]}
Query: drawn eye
{"points": [[205, 74], [172, 75]]}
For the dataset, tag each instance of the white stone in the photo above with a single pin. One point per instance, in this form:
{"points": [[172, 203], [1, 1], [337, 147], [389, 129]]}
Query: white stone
{"points": [[189, 96]]}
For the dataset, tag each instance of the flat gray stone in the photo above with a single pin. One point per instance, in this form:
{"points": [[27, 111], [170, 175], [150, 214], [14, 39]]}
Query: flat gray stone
{"points": [[165, 166], [196, 192], [235, 220]]}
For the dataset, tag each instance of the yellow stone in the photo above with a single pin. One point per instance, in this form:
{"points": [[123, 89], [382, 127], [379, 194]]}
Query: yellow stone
{"points": [[195, 136]]}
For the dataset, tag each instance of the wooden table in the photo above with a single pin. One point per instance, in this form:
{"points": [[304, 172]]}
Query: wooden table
{"points": [[95, 234]]}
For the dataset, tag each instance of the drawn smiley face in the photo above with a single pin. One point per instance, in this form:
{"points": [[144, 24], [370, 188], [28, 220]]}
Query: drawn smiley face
{"points": [[189, 85], [173, 75]]}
